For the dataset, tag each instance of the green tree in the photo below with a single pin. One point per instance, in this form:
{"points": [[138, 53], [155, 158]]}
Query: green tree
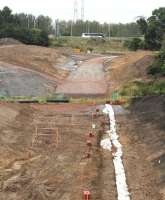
{"points": [[142, 23], [23, 27], [158, 67], [44, 23], [153, 29], [6, 17], [134, 44]]}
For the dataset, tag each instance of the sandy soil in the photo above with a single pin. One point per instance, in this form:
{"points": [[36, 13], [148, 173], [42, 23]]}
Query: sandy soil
{"points": [[128, 67], [29, 70], [49, 164], [147, 118], [37, 71], [9, 42], [142, 178], [88, 79], [18, 81], [46, 167], [40, 59]]}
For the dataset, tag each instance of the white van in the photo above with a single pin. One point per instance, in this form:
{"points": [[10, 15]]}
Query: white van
{"points": [[92, 35]]}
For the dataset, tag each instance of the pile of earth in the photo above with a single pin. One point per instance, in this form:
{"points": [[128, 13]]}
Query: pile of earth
{"points": [[9, 41]]}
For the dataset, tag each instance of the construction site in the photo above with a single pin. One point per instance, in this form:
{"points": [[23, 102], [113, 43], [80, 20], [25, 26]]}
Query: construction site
{"points": [[74, 126], [60, 151]]}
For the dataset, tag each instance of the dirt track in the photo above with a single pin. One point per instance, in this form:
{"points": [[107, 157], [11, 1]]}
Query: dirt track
{"points": [[88, 79]]}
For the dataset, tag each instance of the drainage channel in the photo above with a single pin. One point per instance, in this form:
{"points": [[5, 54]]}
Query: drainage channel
{"points": [[112, 144]]}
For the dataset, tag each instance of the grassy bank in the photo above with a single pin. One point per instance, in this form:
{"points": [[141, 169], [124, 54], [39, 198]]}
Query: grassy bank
{"points": [[140, 88], [96, 45], [44, 99]]}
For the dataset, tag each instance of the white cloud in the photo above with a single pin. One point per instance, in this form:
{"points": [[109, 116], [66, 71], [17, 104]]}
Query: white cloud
{"points": [[104, 10]]}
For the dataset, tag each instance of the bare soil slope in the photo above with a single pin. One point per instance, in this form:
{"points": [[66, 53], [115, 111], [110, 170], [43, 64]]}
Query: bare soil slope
{"points": [[142, 134], [128, 67], [36, 58], [30, 70], [18, 81], [149, 122]]}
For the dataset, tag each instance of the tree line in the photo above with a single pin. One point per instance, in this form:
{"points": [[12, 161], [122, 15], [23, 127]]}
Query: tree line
{"points": [[67, 28], [25, 27], [153, 30], [30, 29]]}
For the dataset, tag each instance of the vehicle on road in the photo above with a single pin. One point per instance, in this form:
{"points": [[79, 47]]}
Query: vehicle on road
{"points": [[92, 35]]}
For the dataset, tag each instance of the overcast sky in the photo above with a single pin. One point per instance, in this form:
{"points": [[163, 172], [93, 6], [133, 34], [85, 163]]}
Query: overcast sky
{"points": [[101, 10]]}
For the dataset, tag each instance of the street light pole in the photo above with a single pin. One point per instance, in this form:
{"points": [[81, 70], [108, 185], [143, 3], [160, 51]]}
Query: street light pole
{"points": [[109, 31]]}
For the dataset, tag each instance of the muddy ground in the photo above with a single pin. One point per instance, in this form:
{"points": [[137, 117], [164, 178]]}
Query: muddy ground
{"points": [[88, 79], [147, 118], [126, 68], [37, 71], [40, 59], [30, 70], [46, 167], [42, 147], [17, 81]]}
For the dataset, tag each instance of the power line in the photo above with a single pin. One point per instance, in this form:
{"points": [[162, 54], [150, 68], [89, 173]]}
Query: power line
{"points": [[82, 10], [75, 11]]}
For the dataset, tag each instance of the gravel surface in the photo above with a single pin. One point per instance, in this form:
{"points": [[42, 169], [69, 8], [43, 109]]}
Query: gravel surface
{"points": [[20, 82], [88, 79]]}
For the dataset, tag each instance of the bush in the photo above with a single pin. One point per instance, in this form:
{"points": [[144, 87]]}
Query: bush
{"points": [[60, 42], [27, 36], [134, 44], [138, 88], [158, 67], [95, 41]]}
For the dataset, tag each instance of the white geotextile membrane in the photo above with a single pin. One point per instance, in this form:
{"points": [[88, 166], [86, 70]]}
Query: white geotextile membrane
{"points": [[106, 144], [122, 188]]}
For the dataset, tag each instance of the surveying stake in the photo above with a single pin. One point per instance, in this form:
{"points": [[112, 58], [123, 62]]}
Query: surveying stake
{"points": [[86, 195]]}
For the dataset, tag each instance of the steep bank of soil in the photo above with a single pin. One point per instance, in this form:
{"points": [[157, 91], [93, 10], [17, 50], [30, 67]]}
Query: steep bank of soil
{"points": [[143, 136], [150, 115], [128, 67], [30, 70], [18, 81], [40, 59]]}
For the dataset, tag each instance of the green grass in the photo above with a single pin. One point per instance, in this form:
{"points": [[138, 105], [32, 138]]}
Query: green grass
{"points": [[97, 45], [140, 88], [39, 99]]}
